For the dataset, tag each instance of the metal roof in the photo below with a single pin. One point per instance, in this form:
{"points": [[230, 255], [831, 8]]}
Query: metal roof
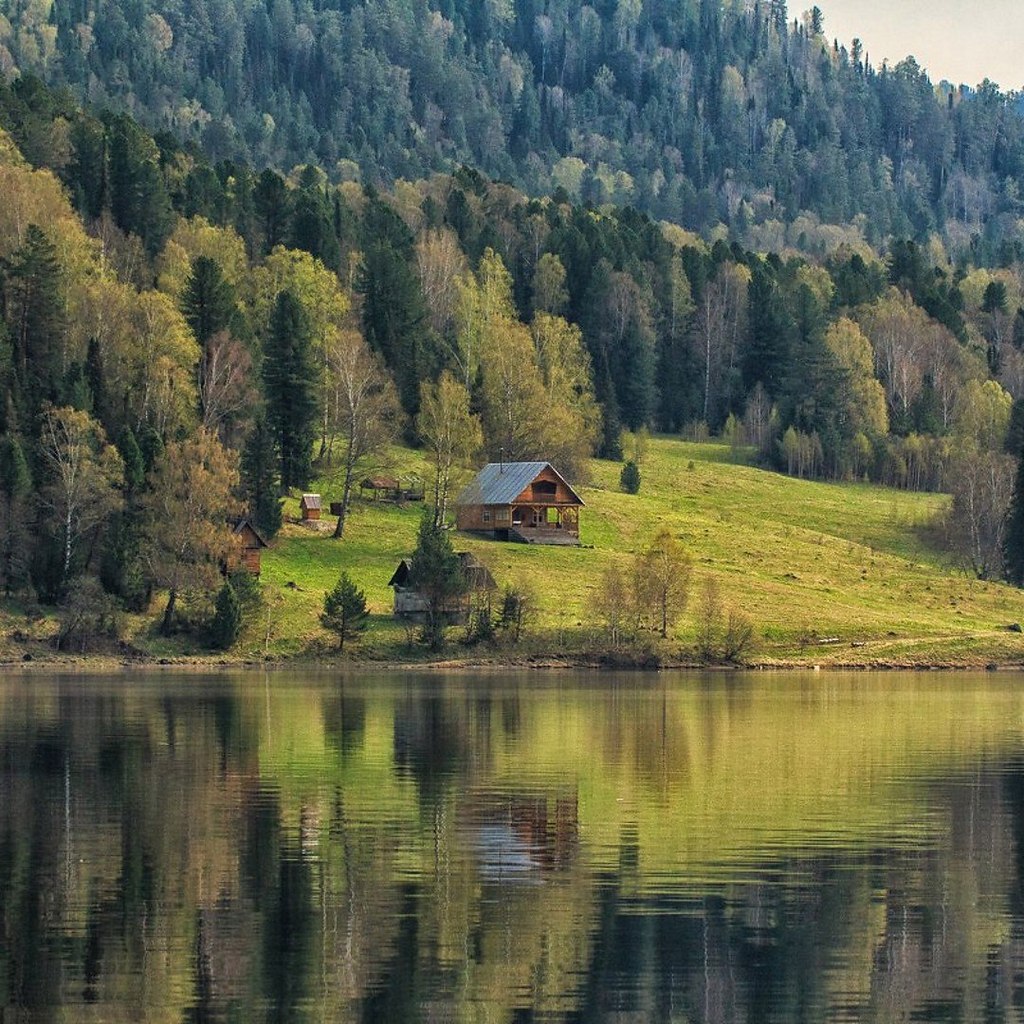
{"points": [[501, 483]]}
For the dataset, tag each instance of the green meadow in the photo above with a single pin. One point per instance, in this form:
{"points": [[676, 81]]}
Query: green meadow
{"points": [[828, 573]]}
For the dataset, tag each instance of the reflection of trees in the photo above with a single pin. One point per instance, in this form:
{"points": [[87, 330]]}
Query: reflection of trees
{"points": [[633, 852]]}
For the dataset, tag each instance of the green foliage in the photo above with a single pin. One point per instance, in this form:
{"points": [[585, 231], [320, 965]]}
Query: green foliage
{"points": [[290, 379], [15, 513], [208, 302], [629, 478], [1013, 539], [344, 611], [437, 575], [260, 478], [227, 618]]}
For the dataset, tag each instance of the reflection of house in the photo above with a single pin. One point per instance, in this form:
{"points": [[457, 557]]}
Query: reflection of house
{"points": [[524, 501], [311, 506], [522, 835], [251, 543], [411, 604]]}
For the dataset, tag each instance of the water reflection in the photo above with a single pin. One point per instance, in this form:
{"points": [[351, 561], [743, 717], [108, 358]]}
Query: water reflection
{"points": [[393, 848]]}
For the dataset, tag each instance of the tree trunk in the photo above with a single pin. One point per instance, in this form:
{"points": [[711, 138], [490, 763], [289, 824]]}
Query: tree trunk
{"points": [[346, 497], [168, 619]]}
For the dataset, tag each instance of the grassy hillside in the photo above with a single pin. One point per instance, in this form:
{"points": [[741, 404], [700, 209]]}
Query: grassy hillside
{"points": [[830, 574], [808, 562]]}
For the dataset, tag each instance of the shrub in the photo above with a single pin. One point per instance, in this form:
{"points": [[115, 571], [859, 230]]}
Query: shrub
{"points": [[629, 478]]}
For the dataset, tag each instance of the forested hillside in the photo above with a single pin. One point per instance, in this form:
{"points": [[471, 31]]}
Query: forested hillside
{"points": [[184, 342], [696, 111]]}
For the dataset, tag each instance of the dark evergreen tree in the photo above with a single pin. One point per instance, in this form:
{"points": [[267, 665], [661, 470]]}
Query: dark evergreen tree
{"points": [[290, 386], [139, 199], [629, 478], [344, 611], [312, 226], [15, 513], [208, 302], [395, 320], [227, 618], [436, 573], [272, 205], [260, 477], [36, 316], [1013, 536], [769, 329]]}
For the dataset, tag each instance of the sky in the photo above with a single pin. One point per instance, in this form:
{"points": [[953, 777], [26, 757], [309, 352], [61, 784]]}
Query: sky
{"points": [[963, 41]]}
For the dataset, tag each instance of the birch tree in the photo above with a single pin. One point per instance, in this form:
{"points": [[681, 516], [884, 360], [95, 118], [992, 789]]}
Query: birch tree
{"points": [[84, 475], [451, 433], [364, 412]]}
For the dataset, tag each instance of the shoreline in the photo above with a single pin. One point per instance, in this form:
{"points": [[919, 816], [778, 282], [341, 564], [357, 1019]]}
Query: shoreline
{"points": [[109, 663]]}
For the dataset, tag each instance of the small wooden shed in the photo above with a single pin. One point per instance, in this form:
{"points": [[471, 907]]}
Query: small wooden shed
{"points": [[411, 604], [311, 506], [251, 543]]}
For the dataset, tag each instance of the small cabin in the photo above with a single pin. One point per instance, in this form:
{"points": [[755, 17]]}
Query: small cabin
{"points": [[412, 605], [311, 506], [251, 544], [530, 502]]}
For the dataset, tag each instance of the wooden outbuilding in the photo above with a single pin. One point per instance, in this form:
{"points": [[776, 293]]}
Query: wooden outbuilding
{"points": [[411, 604], [529, 502], [251, 545], [388, 488], [311, 507]]}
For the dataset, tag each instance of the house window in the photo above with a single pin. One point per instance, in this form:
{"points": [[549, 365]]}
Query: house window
{"points": [[501, 515], [486, 516]]}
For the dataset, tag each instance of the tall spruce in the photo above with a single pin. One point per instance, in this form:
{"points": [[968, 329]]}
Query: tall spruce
{"points": [[37, 316], [15, 511], [208, 303], [260, 477], [290, 385], [1013, 538]]}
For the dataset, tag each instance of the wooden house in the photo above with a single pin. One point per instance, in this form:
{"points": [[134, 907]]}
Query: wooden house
{"points": [[411, 604], [251, 545], [522, 501], [311, 507]]}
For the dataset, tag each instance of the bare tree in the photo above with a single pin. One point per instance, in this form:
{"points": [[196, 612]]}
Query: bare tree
{"points": [[224, 380], [364, 412], [440, 263], [982, 484]]}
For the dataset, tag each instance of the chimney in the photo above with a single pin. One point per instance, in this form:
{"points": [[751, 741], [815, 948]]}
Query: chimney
{"points": [[501, 460]]}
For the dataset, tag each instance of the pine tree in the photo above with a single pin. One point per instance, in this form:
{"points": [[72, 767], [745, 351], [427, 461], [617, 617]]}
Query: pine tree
{"points": [[15, 497], [36, 312], [134, 464], [395, 320], [260, 480], [208, 303], [344, 610], [290, 384], [1013, 538], [227, 618], [436, 574]]}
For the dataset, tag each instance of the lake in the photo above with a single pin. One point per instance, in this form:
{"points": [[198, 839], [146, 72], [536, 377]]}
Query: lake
{"points": [[499, 847]]}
